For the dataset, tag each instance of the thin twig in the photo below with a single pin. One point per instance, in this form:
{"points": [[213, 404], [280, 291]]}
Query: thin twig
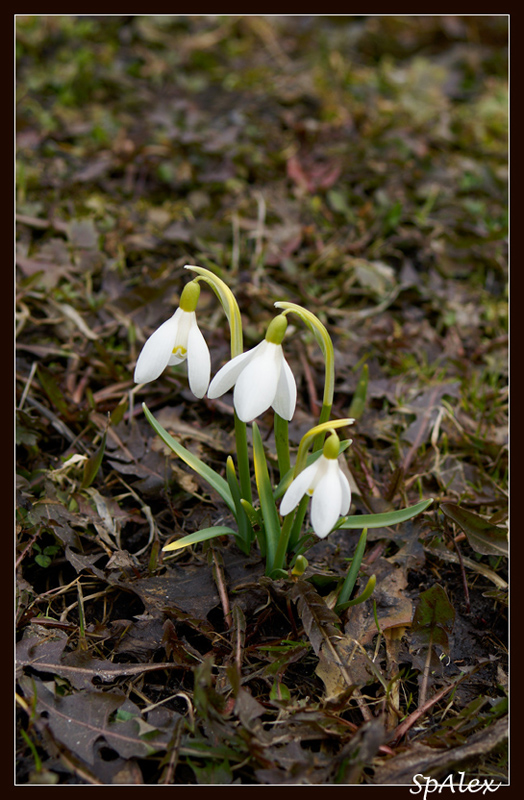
{"points": [[174, 746], [218, 574], [408, 723], [28, 384]]}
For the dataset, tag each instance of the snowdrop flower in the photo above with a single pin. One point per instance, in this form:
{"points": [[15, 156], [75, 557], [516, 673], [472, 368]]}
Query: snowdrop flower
{"points": [[176, 340], [261, 377], [327, 484]]}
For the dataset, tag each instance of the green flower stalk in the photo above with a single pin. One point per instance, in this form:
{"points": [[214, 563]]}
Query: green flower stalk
{"points": [[312, 436], [229, 304], [326, 345]]}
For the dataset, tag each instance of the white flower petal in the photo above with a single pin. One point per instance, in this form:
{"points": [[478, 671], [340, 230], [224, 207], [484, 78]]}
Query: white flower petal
{"points": [[256, 386], [198, 361], [346, 493], [286, 395], [226, 377], [156, 352], [304, 482], [327, 499]]}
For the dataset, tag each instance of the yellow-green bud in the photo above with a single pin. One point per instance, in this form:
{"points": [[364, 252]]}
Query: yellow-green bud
{"points": [[189, 296], [301, 564], [331, 446], [276, 329]]}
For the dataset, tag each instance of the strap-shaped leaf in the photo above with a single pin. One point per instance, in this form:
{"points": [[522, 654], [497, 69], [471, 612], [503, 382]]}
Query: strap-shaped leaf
{"points": [[245, 531], [386, 519], [351, 577], [215, 480], [267, 501], [199, 536], [365, 595]]}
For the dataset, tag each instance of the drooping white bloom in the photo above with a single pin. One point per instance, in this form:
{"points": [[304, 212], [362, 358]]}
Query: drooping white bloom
{"points": [[177, 340], [261, 376], [325, 482]]}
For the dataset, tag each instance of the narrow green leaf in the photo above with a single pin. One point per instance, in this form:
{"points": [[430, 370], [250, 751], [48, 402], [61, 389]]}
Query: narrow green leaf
{"points": [[351, 577], [252, 512], [245, 531], [384, 520], [267, 501], [278, 573], [117, 414], [199, 536], [93, 463], [257, 524], [215, 480], [483, 536], [365, 595], [279, 692]]}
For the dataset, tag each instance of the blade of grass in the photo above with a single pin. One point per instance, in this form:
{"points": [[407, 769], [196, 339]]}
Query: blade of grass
{"points": [[93, 463]]}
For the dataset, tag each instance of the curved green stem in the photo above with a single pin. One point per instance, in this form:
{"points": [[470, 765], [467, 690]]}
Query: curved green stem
{"points": [[312, 435], [229, 304], [319, 438], [232, 312], [326, 345]]}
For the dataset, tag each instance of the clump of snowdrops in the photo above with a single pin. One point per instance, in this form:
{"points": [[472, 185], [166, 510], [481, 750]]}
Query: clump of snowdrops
{"points": [[261, 379]]}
